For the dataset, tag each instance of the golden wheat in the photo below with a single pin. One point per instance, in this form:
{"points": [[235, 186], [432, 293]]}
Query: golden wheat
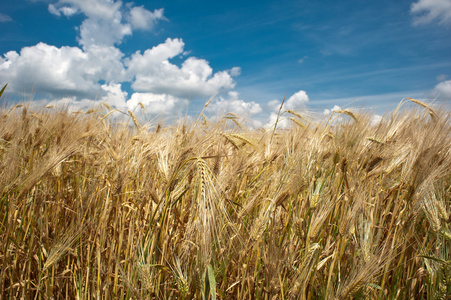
{"points": [[328, 209]]}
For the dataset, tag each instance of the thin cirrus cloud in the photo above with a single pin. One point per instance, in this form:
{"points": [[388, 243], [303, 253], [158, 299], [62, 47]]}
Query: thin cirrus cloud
{"points": [[427, 11], [5, 18], [97, 68]]}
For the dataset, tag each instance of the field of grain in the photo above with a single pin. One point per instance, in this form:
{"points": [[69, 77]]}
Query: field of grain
{"points": [[327, 209]]}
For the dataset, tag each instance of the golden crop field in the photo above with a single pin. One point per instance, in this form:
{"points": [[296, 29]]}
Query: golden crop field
{"points": [[327, 209]]}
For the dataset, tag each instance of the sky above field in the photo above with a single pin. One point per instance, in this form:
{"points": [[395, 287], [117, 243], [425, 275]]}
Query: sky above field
{"points": [[172, 56]]}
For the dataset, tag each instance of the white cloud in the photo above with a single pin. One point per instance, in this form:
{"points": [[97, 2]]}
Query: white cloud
{"points": [[161, 104], [325, 52], [154, 73], [327, 112], [426, 11], [235, 71], [376, 119], [297, 101], [62, 71], [104, 24], [141, 18], [139, 63], [233, 105], [98, 9], [282, 122], [71, 71], [49, 68], [105, 63], [97, 69], [443, 90], [442, 77], [105, 32], [115, 96], [301, 60], [68, 102], [273, 105], [5, 18], [67, 11]]}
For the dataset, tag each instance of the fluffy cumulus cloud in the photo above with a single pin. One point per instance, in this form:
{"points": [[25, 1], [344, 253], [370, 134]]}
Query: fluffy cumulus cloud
{"points": [[258, 117], [427, 11], [62, 71], [114, 95], [327, 111], [64, 10], [235, 71], [273, 105], [97, 69], [141, 18], [443, 90], [100, 9], [295, 102], [233, 105], [50, 68], [154, 73], [161, 104], [104, 20]]}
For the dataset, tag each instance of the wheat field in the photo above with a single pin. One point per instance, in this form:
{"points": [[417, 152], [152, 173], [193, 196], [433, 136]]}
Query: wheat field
{"points": [[95, 209]]}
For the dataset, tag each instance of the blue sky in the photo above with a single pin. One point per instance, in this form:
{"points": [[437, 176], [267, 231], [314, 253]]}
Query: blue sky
{"points": [[171, 55]]}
